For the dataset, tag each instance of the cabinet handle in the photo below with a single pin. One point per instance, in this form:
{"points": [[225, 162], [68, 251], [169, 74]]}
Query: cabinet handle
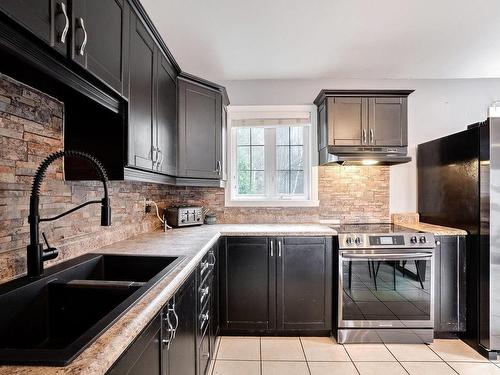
{"points": [[279, 248], [364, 137], [80, 50], [172, 310], [62, 35], [218, 167], [371, 136], [211, 255], [159, 163], [272, 248], [170, 330], [204, 317]]}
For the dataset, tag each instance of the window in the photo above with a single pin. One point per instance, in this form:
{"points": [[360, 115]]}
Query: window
{"points": [[270, 160]]}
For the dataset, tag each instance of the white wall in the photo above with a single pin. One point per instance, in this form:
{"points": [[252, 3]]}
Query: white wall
{"points": [[435, 109]]}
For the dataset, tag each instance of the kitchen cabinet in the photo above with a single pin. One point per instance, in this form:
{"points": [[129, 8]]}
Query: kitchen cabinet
{"points": [[143, 357], [356, 118], [166, 116], [347, 121], [158, 128], [450, 285], [248, 284], [276, 284], [152, 105], [142, 118], [304, 283], [387, 121], [200, 130], [207, 303], [99, 39], [181, 352], [49, 20]]}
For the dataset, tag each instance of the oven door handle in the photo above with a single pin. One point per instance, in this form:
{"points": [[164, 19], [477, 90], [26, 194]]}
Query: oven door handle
{"points": [[389, 256]]}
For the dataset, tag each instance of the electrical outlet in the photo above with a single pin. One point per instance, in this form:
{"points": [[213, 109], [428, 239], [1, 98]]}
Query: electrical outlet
{"points": [[147, 205]]}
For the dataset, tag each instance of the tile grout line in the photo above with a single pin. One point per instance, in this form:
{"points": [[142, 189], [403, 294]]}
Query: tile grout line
{"points": [[350, 358], [216, 353], [404, 368], [305, 357], [442, 359], [260, 356]]}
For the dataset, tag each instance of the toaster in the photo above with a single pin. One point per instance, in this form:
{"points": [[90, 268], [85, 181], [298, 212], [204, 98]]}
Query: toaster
{"points": [[184, 216]]}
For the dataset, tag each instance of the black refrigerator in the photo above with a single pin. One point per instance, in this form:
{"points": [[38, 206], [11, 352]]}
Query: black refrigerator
{"points": [[459, 186]]}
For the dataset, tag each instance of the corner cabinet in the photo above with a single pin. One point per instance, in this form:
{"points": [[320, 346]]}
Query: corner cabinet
{"points": [[362, 118], [152, 125], [450, 286], [201, 123], [276, 284]]}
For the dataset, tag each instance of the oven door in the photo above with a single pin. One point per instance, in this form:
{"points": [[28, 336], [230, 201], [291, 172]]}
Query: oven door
{"points": [[390, 288]]}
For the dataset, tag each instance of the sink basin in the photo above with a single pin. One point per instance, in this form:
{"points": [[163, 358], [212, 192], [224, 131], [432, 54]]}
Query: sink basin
{"points": [[51, 320]]}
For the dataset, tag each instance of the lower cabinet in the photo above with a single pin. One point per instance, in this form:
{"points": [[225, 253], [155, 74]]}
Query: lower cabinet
{"points": [[208, 325], [143, 357], [276, 284], [450, 285], [180, 315]]}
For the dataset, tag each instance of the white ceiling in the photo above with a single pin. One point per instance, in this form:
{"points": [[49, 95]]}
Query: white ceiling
{"points": [[292, 39]]}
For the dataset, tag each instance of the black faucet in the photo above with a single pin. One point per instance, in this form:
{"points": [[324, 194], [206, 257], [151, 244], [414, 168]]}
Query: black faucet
{"points": [[36, 253]]}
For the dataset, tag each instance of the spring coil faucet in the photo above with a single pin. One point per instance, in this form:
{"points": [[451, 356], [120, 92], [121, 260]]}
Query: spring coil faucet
{"points": [[36, 254]]}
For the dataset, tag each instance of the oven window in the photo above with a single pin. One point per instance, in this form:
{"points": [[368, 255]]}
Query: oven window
{"points": [[386, 290]]}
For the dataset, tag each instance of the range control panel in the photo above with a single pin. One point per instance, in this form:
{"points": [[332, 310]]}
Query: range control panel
{"points": [[377, 241], [184, 216]]}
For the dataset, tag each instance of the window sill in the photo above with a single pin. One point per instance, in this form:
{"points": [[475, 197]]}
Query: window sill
{"points": [[280, 203]]}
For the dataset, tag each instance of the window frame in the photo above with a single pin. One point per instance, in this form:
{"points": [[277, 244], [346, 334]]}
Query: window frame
{"points": [[310, 196]]}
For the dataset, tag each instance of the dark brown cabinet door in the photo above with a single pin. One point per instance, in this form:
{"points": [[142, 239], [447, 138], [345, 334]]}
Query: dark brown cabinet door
{"points": [[248, 284], [347, 121], [322, 127], [143, 357], [180, 357], [304, 283], [99, 39], [141, 138], [200, 131], [387, 121], [166, 116], [48, 20]]}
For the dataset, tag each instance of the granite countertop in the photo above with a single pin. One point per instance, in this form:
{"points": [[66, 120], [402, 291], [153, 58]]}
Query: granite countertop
{"points": [[192, 243], [438, 230]]}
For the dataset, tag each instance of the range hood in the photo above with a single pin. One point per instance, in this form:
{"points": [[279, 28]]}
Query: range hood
{"points": [[363, 156]]}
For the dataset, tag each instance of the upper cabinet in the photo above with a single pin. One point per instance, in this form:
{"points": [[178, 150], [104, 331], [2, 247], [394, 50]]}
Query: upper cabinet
{"points": [[142, 118], [166, 116], [160, 128], [362, 118], [99, 42], [49, 20], [201, 120], [152, 127]]}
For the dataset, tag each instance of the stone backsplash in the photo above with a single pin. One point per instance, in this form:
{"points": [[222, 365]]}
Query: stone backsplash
{"points": [[31, 127]]}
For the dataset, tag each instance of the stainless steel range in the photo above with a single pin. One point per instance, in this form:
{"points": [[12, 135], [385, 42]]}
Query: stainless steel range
{"points": [[386, 284]]}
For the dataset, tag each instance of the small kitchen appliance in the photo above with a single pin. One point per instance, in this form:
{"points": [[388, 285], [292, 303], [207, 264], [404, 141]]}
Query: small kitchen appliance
{"points": [[386, 284], [184, 216]]}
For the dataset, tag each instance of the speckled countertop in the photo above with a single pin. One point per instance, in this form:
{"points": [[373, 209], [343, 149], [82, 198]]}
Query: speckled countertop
{"points": [[192, 243], [438, 230]]}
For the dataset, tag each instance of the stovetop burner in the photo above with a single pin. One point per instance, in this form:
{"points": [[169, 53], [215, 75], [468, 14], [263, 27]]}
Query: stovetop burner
{"points": [[381, 228]]}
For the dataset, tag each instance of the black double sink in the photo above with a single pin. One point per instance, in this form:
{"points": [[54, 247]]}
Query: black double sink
{"points": [[49, 321]]}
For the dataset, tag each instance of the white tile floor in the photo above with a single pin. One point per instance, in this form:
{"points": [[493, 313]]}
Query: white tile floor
{"points": [[323, 356]]}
